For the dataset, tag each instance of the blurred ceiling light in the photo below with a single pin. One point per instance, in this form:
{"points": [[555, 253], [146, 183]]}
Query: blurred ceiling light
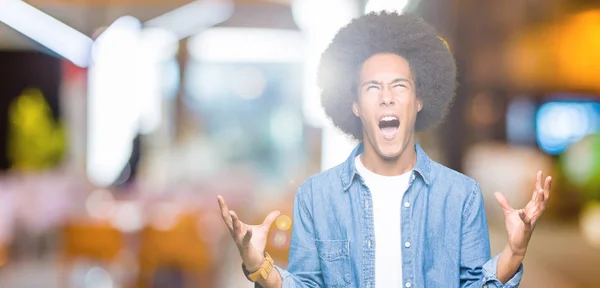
{"points": [[386, 5], [193, 17], [124, 93], [125, 28], [247, 45], [323, 17], [156, 47], [161, 44], [319, 21], [46, 30], [113, 117]]}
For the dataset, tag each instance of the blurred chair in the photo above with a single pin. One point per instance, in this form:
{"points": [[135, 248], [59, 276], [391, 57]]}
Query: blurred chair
{"points": [[176, 248], [3, 255], [91, 240]]}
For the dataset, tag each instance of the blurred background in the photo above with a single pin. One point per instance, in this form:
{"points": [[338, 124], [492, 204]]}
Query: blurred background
{"points": [[121, 120]]}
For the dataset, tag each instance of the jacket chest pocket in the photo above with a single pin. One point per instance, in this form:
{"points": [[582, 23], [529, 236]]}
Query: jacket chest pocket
{"points": [[335, 262]]}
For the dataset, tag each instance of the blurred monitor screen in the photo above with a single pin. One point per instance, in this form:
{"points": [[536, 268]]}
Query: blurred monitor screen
{"points": [[560, 123], [520, 122]]}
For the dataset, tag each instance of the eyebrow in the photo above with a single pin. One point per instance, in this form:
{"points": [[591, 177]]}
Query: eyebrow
{"points": [[397, 80]]}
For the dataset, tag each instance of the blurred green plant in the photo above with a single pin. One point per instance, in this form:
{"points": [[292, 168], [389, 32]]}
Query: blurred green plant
{"points": [[581, 166], [36, 141]]}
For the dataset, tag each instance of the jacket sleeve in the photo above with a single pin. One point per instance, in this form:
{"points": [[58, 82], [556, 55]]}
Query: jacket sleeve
{"points": [[476, 267], [303, 266]]}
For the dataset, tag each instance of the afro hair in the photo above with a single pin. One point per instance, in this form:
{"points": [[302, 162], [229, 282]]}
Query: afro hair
{"points": [[431, 63]]}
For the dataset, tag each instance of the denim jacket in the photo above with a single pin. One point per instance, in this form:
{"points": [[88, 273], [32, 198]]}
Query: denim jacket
{"points": [[445, 238]]}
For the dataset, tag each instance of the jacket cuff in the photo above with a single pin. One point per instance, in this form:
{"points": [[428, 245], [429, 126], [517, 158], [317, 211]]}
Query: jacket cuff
{"points": [[286, 279], [490, 277]]}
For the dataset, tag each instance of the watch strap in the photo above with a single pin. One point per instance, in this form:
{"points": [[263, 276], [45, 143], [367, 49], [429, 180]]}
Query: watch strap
{"points": [[263, 272]]}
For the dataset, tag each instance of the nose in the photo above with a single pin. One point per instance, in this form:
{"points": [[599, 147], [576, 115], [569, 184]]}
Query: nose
{"points": [[387, 97]]}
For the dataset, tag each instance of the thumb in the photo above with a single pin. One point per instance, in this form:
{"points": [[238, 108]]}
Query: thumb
{"points": [[526, 219], [503, 202], [270, 219], [247, 237]]}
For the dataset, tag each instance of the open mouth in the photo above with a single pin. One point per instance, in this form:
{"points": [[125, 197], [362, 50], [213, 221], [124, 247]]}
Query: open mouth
{"points": [[389, 126]]}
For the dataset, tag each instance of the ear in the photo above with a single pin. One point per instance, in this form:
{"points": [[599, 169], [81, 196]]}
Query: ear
{"points": [[355, 109], [419, 105]]}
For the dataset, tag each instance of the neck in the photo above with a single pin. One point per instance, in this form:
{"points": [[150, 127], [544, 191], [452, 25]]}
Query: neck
{"points": [[390, 166]]}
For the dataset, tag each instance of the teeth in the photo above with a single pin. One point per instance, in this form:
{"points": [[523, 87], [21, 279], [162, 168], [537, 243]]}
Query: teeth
{"points": [[389, 118]]}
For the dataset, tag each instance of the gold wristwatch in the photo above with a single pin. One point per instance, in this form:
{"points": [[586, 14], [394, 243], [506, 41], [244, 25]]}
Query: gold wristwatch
{"points": [[263, 272]]}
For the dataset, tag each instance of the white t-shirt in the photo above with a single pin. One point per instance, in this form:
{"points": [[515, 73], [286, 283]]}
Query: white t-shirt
{"points": [[386, 192]]}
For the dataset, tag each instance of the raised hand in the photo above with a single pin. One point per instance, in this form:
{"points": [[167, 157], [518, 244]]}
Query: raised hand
{"points": [[520, 223], [251, 240]]}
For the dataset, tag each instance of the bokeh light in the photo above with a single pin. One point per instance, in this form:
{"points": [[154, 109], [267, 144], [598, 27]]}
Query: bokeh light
{"points": [[560, 124], [581, 164], [590, 223], [100, 204], [280, 239], [283, 222]]}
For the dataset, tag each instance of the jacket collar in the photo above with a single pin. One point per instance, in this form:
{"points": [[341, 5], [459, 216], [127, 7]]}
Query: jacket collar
{"points": [[348, 168]]}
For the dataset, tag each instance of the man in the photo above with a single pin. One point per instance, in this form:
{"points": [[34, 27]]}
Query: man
{"points": [[389, 216]]}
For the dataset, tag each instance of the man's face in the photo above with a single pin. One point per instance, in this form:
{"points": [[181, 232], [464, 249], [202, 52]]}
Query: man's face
{"points": [[387, 104]]}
